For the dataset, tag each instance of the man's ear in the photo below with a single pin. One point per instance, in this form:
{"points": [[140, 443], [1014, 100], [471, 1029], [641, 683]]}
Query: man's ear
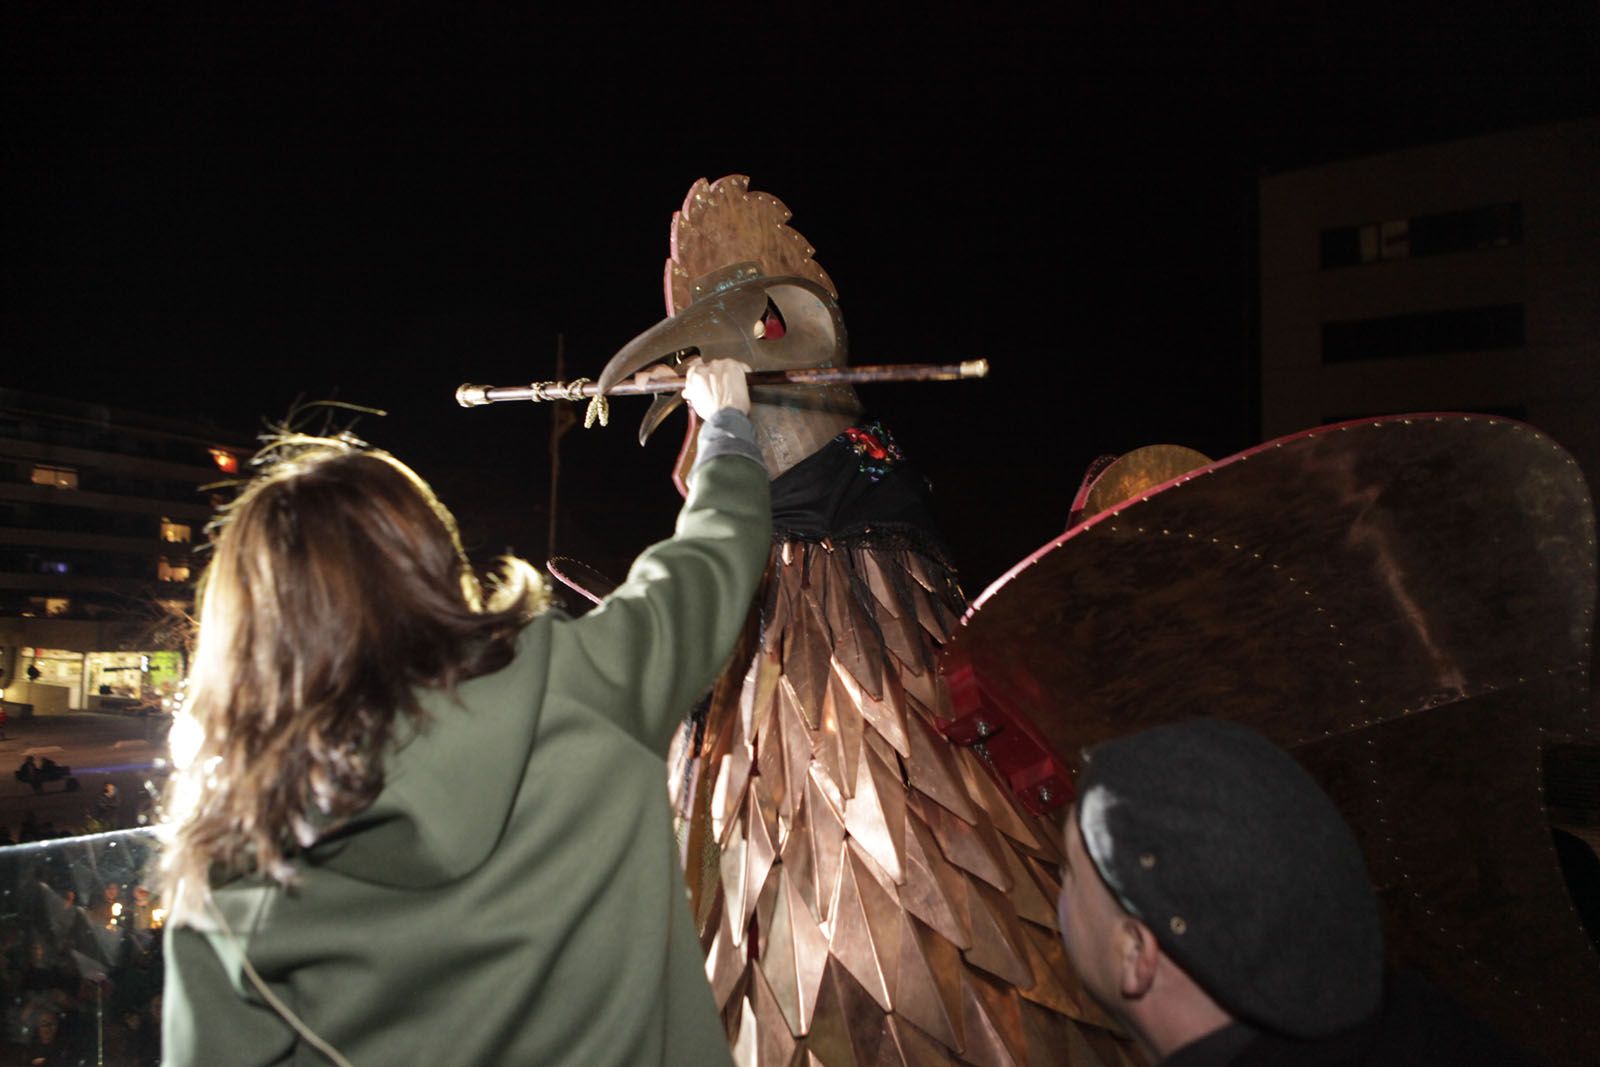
{"points": [[1137, 956]]}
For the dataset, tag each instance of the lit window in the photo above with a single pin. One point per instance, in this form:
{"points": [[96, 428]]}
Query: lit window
{"points": [[1369, 244], [59, 477], [172, 572], [1395, 239], [226, 461], [51, 605], [175, 532], [1438, 234]]}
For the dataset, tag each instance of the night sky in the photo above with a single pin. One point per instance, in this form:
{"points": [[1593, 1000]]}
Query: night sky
{"points": [[210, 218]]}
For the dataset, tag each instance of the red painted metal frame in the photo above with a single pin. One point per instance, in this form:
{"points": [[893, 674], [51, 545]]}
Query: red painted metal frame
{"points": [[1007, 739]]}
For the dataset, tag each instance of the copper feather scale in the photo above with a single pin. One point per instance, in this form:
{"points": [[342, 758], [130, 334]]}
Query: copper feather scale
{"points": [[865, 891]]}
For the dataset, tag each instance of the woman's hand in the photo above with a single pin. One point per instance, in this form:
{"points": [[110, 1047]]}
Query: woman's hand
{"points": [[716, 385]]}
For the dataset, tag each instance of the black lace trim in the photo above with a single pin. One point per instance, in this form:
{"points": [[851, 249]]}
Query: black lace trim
{"points": [[858, 489]]}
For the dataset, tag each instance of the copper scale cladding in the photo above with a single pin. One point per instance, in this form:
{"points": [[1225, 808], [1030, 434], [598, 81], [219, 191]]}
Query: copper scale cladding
{"points": [[1405, 603], [867, 892]]}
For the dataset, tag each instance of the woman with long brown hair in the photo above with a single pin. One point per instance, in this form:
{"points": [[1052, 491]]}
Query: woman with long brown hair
{"points": [[415, 822]]}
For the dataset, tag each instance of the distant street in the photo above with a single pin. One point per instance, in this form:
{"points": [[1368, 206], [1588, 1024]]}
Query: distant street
{"points": [[98, 748]]}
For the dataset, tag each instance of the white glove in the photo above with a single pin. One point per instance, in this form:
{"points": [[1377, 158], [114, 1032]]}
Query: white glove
{"points": [[719, 384]]}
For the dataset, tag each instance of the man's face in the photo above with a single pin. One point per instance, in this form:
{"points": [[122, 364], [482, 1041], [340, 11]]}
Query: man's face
{"points": [[1090, 917]]}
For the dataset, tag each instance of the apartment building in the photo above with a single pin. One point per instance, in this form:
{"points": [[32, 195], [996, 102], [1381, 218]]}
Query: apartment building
{"points": [[1461, 277], [101, 514]]}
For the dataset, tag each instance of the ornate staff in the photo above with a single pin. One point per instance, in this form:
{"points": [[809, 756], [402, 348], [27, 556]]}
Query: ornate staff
{"points": [[472, 396]]}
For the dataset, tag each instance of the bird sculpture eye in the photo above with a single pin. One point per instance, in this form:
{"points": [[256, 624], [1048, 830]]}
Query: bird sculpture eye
{"points": [[770, 326]]}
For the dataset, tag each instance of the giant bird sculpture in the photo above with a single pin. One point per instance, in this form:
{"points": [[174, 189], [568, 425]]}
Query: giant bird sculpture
{"points": [[866, 891]]}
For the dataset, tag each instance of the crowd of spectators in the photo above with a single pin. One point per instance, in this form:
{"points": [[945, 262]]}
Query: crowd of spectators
{"points": [[80, 955], [80, 938]]}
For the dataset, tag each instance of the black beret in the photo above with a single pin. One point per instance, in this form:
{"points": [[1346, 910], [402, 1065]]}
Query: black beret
{"points": [[1252, 882]]}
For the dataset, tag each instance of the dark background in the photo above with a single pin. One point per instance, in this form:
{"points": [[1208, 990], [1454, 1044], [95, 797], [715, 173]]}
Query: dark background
{"points": [[212, 216]]}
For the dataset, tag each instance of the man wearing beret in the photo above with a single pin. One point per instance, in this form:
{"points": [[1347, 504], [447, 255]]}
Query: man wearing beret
{"points": [[1217, 905]]}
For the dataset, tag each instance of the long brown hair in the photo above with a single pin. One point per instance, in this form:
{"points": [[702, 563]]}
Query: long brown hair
{"points": [[337, 588]]}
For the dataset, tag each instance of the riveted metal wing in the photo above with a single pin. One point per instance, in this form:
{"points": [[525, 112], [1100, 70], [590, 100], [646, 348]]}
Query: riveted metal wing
{"points": [[1405, 603]]}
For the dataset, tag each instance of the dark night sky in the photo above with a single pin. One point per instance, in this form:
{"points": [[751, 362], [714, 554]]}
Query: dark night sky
{"points": [[211, 217]]}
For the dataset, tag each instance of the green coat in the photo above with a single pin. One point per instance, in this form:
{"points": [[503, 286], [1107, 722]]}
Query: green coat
{"points": [[513, 896]]}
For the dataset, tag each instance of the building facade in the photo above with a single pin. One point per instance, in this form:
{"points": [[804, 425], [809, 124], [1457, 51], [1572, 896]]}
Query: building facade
{"points": [[1452, 277], [101, 514]]}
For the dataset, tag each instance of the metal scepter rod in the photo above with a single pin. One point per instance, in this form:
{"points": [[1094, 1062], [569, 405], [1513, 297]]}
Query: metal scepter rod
{"points": [[472, 396]]}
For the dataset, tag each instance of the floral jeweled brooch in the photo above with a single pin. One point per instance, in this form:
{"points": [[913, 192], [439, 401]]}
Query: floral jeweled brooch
{"points": [[876, 452]]}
